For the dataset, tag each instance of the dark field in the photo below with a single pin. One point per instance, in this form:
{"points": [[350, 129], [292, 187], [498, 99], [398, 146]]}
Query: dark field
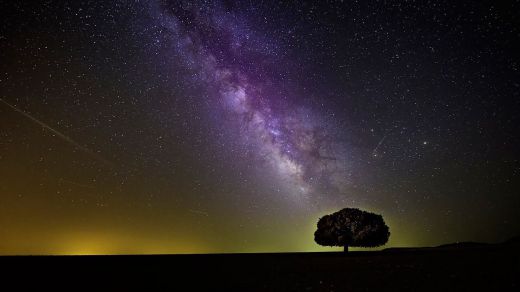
{"points": [[467, 267]]}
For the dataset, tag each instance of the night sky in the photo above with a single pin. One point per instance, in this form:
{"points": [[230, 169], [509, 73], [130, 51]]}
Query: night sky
{"points": [[207, 126]]}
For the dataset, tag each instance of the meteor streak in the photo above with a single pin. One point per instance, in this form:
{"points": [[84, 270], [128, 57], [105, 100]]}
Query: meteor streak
{"points": [[59, 134], [374, 152]]}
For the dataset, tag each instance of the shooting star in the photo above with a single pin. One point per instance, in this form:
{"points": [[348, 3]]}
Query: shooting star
{"points": [[61, 180], [59, 134], [374, 152], [199, 212]]}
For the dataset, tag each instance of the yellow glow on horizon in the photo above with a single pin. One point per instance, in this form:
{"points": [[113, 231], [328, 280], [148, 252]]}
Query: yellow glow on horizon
{"points": [[103, 243]]}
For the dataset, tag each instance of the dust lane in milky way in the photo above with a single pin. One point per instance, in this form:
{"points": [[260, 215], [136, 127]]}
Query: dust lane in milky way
{"points": [[219, 48]]}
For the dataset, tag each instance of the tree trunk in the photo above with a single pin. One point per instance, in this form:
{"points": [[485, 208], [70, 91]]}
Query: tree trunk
{"points": [[345, 248]]}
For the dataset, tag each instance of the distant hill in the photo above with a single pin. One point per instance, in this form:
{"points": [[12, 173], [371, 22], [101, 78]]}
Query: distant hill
{"points": [[464, 244], [515, 240]]}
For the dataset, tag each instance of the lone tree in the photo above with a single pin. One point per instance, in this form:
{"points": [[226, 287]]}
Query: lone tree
{"points": [[352, 227]]}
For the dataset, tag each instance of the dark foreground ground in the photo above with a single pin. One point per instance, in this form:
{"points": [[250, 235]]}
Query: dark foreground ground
{"points": [[467, 267]]}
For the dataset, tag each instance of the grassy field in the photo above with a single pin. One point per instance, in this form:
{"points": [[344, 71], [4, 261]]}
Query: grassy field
{"points": [[465, 267]]}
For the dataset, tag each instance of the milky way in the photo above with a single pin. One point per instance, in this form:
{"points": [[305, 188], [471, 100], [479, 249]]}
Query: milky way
{"points": [[232, 61]]}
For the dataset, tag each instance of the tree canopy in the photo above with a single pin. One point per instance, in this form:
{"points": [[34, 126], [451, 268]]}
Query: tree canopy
{"points": [[352, 227]]}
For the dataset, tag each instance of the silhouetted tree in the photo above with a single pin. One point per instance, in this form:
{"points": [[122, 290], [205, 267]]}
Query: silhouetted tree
{"points": [[352, 227]]}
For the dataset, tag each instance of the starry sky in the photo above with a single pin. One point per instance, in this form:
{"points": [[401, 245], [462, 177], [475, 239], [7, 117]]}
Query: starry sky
{"points": [[233, 126]]}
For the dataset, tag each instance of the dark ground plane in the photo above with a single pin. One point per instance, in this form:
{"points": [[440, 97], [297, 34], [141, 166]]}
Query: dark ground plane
{"points": [[458, 267]]}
